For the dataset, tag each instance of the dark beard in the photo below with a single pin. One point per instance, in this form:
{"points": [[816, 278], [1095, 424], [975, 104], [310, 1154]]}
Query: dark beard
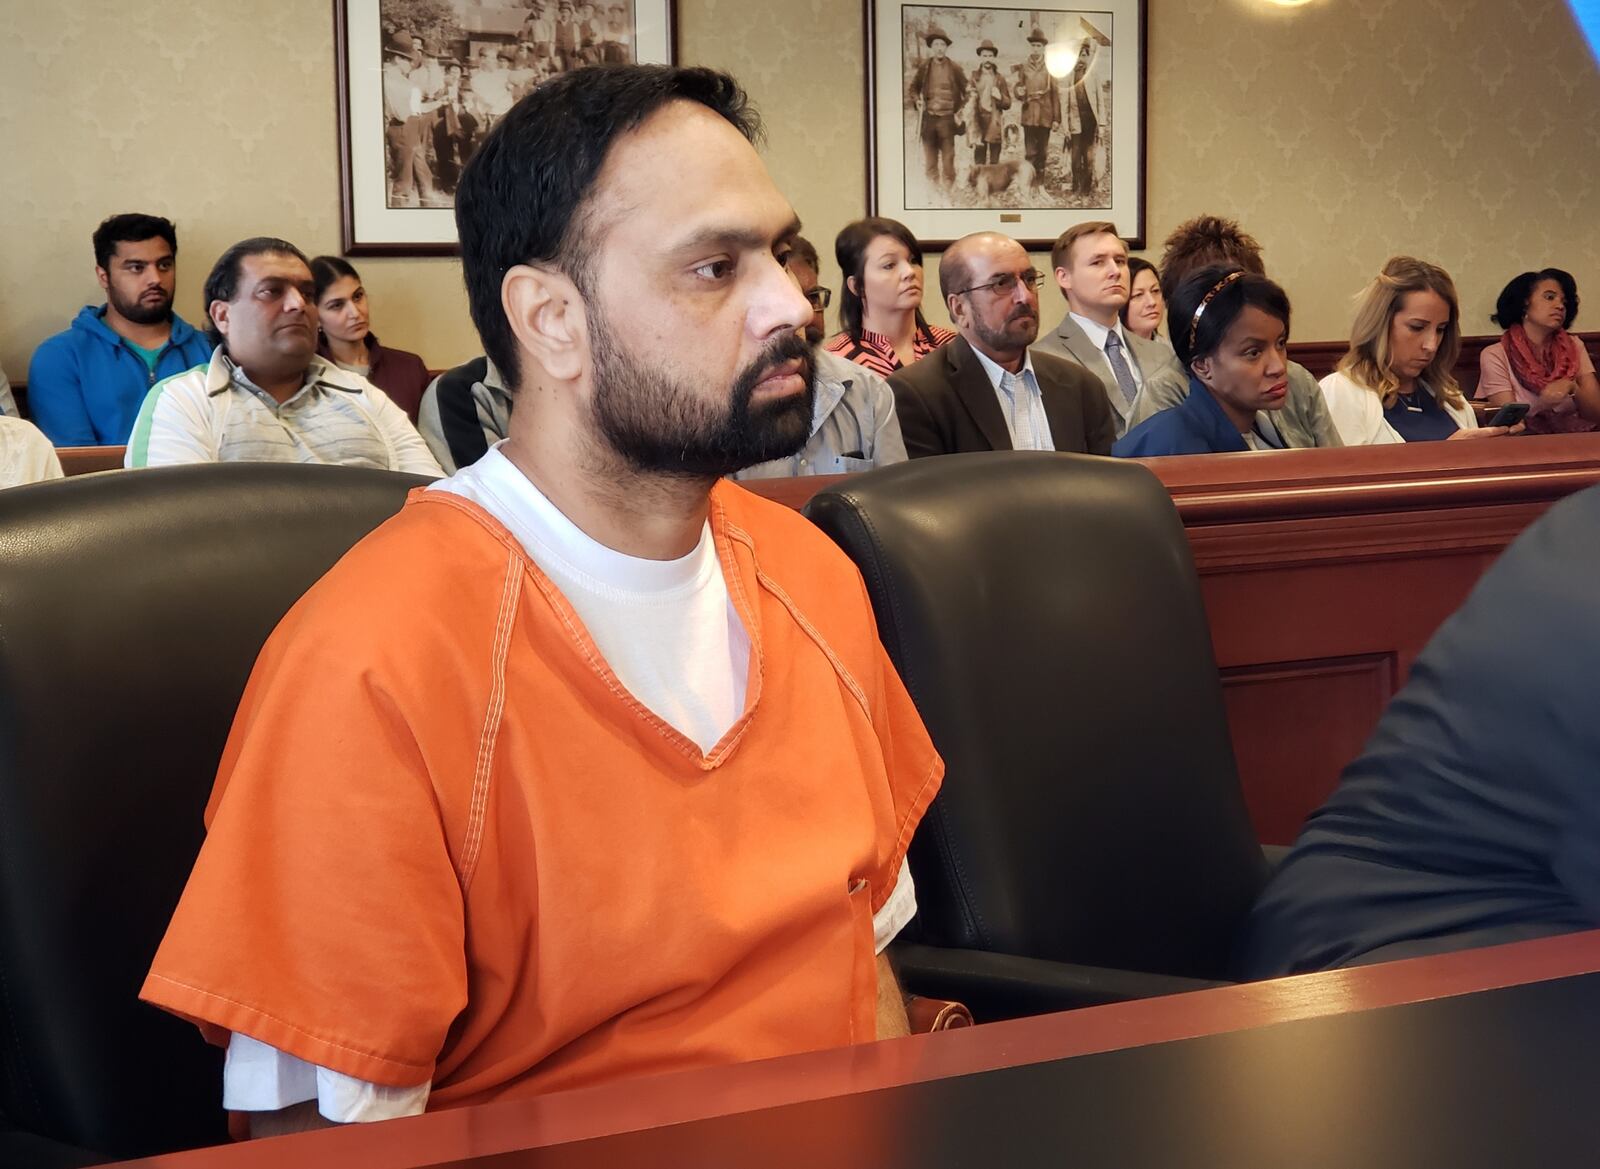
{"points": [[137, 312], [997, 340], [661, 426]]}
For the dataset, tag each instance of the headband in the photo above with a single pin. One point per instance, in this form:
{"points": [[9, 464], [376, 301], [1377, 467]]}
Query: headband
{"points": [[1199, 311]]}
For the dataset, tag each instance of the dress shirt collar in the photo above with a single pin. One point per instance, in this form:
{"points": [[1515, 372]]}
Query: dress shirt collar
{"points": [[994, 370], [1097, 333]]}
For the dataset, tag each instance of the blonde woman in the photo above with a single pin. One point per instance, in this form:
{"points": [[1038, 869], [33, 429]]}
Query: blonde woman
{"points": [[1395, 384]]}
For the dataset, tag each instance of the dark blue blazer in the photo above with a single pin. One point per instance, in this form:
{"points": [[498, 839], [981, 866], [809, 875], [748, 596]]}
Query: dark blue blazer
{"points": [[1473, 815], [1195, 426]]}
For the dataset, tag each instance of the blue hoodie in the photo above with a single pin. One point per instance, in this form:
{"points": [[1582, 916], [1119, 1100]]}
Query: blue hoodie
{"points": [[85, 385]]}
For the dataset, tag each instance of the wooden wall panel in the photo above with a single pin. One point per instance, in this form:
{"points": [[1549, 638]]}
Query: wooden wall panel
{"points": [[1321, 712]]}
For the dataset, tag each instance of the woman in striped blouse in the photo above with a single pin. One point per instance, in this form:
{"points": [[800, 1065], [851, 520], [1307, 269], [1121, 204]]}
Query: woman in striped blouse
{"points": [[880, 306]]}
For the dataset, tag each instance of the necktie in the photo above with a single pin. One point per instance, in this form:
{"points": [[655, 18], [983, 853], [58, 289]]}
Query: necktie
{"points": [[1119, 367], [1024, 435]]}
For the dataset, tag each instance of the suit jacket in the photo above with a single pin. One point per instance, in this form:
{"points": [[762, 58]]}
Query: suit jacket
{"points": [[1195, 426], [1304, 420], [1069, 340], [947, 405]]}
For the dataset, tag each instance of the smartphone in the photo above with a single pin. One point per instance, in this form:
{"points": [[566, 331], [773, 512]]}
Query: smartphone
{"points": [[1509, 414]]}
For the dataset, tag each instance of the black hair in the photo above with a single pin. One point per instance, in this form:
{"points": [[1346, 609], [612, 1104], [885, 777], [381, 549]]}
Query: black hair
{"points": [[130, 229], [1248, 290], [1137, 264], [1512, 304], [524, 195], [802, 249], [326, 271], [223, 282], [850, 250]]}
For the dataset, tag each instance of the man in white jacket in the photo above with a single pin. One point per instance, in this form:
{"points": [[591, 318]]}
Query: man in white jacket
{"points": [[266, 396]]}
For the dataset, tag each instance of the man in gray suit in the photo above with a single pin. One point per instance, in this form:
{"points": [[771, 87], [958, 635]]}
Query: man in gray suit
{"points": [[984, 391], [1091, 268], [1202, 241]]}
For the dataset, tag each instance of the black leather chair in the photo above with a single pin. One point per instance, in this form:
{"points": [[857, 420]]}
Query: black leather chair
{"points": [[132, 606], [1091, 842]]}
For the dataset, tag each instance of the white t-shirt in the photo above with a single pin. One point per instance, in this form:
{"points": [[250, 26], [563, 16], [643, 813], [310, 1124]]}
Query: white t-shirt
{"points": [[670, 633]]}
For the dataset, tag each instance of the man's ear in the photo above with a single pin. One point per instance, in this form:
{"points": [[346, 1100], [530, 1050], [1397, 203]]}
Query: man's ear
{"points": [[953, 306], [1063, 280], [104, 277], [547, 316], [217, 310]]}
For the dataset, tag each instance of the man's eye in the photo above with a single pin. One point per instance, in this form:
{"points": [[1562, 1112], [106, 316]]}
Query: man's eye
{"points": [[715, 270]]}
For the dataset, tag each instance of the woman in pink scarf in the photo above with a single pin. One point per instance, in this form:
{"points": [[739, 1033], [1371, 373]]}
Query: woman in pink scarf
{"points": [[1536, 360]]}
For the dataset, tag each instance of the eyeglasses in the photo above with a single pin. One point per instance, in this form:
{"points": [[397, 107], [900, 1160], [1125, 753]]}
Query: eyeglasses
{"points": [[1003, 284], [819, 297]]}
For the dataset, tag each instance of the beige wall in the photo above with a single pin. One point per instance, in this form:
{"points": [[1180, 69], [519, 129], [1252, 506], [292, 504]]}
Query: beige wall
{"points": [[1339, 132]]}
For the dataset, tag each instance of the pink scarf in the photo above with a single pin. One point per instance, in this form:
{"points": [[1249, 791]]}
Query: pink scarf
{"points": [[1536, 370]]}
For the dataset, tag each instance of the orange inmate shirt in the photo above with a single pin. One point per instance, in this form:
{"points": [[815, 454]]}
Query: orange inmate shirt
{"points": [[446, 844]]}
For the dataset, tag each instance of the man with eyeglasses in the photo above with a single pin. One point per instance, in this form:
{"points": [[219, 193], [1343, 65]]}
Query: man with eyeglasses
{"points": [[803, 266], [1091, 269], [853, 425], [985, 391]]}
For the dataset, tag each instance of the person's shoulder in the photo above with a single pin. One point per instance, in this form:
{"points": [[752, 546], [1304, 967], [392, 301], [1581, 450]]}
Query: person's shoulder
{"points": [[1168, 432], [941, 335], [1340, 387], [185, 334], [1062, 372], [438, 559], [55, 349], [786, 544], [811, 573]]}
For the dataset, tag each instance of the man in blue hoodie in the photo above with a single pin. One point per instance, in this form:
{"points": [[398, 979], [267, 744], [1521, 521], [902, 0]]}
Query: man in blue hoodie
{"points": [[85, 385]]}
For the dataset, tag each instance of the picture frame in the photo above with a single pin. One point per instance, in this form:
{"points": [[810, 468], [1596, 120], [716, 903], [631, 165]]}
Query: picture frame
{"points": [[983, 146], [453, 67]]}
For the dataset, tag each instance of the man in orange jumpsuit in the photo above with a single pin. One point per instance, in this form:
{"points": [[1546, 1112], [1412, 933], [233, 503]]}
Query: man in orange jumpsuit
{"points": [[589, 763]]}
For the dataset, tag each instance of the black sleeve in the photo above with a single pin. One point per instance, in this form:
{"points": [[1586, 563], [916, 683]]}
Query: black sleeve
{"points": [[458, 413], [916, 425]]}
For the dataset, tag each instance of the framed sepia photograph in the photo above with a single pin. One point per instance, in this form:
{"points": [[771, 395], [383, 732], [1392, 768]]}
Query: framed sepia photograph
{"points": [[1018, 120], [422, 81]]}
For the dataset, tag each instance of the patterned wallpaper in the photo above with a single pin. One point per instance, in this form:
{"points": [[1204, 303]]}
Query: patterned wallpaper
{"points": [[1339, 132]]}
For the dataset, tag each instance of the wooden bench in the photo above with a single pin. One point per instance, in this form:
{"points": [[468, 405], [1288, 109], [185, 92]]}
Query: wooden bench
{"points": [[83, 460]]}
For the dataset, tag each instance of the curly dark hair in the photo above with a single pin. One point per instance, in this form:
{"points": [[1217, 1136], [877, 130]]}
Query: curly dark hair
{"points": [[1203, 241], [1512, 304]]}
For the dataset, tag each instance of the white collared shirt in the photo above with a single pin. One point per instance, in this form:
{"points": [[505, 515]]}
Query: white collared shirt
{"points": [[1097, 334], [1035, 401]]}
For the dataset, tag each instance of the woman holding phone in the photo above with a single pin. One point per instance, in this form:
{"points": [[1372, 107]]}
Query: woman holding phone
{"points": [[1536, 361], [1395, 384]]}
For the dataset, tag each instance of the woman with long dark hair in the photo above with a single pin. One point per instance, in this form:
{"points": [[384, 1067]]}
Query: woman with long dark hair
{"points": [[880, 305], [345, 337]]}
